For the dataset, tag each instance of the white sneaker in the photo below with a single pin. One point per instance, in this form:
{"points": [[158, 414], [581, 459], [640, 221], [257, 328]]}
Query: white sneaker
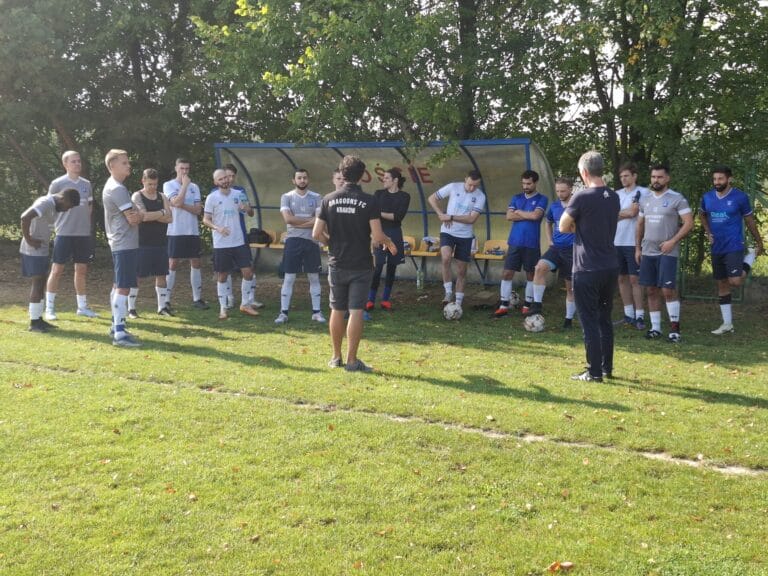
{"points": [[51, 315], [256, 304], [724, 329], [318, 317], [282, 318], [87, 312]]}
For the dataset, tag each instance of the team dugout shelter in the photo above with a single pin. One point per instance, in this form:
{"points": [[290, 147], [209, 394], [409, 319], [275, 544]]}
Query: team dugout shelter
{"points": [[265, 171]]}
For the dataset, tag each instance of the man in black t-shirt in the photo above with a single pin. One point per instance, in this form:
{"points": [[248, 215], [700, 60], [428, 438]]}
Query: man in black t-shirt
{"points": [[592, 214], [348, 220]]}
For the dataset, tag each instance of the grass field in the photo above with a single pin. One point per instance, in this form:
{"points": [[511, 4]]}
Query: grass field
{"points": [[230, 448]]}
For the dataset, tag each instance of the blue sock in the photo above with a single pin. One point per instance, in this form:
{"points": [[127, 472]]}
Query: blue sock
{"points": [[387, 292], [372, 295]]}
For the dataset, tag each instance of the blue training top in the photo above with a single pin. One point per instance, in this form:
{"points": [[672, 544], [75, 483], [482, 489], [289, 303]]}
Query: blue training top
{"points": [[526, 232], [559, 239], [725, 217]]}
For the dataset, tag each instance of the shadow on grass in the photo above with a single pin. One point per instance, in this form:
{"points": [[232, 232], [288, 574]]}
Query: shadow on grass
{"points": [[702, 395], [203, 352], [480, 384]]}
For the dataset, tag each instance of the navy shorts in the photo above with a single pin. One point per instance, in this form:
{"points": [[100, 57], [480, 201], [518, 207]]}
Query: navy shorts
{"points": [[627, 263], [34, 265], [226, 259], [659, 271], [184, 247], [462, 247], [382, 256], [301, 254], [126, 263], [727, 265], [521, 257], [75, 248], [153, 261], [348, 288], [560, 259]]}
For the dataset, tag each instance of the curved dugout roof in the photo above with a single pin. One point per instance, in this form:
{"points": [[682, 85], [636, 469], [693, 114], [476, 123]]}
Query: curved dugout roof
{"points": [[266, 170]]}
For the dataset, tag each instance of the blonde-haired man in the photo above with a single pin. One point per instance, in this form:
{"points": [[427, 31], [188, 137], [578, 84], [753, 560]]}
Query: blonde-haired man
{"points": [[121, 220]]}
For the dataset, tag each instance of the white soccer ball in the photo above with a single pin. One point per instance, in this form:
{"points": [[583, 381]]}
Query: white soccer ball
{"points": [[452, 311], [534, 323], [514, 299]]}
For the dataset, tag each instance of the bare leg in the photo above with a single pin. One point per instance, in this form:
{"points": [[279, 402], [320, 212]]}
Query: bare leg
{"points": [[354, 334], [336, 328]]}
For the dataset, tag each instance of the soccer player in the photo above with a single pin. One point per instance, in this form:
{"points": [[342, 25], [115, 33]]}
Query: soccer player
{"points": [[121, 221], [591, 215], [249, 211], [393, 203], [664, 220], [466, 201], [298, 209], [153, 241], [525, 211], [184, 231], [73, 237], [229, 245], [338, 180], [559, 255], [348, 220], [36, 224], [722, 210], [629, 280]]}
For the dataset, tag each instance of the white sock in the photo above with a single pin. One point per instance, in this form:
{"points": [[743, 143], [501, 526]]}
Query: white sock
{"points": [[629, 311], [286, 292], [538, 292], [229, 287], [253, 290], [749, 258], [529, 291], [50, 301], [639, 313], [119, 312], [82, 301], [221, 292], [459, 298], [170, 282], [196, 279], [673, 310], [570, 308], [314, 290], [727, 311], [656, 321], [505, 290], [132, 295], [35, 310], [162, 297], [448, 287], [245, 292]]}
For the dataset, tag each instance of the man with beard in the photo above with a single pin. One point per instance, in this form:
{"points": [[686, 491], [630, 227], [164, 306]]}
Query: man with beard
{"points": [[664, 220], [722, 210], [298, 209]]}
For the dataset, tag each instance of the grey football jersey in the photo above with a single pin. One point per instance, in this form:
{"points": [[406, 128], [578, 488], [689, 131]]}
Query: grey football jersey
{"points": [[40, 227], [662, 220], [77, 220], [120, 234]]}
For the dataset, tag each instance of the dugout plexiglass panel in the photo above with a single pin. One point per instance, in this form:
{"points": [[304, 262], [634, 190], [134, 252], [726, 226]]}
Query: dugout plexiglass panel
{"points": [[265, 170]]}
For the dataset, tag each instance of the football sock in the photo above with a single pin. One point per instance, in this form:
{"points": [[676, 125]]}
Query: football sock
{"points": [[538, 292], [286, 292], [639, 314], [35, 310], [448, 287], [196, 279], [387, 292], [314, 290], [726, 308], [230, 294], [221, 293], [505, 292], [629, 311], [119, 312], [656, 321], [162, 293], [132, 295], [570, 308], [50, 300], [529, 291], [459, 298], [82, 301], [170, 282], [245, 291], [673, 310], [372, 295]]}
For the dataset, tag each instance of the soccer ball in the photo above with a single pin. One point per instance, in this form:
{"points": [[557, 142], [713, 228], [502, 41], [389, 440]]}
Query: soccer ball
{"points": [[534, 323], [514, 299], [452, 311]]}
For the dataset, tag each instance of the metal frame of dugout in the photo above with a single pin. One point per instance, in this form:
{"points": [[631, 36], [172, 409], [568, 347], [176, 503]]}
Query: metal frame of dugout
{"points": [[265, 171]]}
